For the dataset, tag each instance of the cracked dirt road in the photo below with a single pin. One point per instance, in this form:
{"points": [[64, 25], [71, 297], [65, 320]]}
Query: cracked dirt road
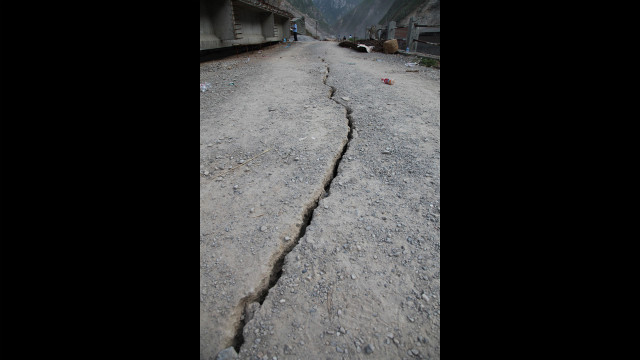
{"points": [[319, 205]]}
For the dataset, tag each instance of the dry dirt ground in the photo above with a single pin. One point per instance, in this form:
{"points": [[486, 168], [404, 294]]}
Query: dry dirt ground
{"points": [[319, 205]]}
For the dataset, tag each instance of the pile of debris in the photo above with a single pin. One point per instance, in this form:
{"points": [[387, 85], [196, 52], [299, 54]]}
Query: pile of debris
{"points": [[373, 45], [377, 45]]}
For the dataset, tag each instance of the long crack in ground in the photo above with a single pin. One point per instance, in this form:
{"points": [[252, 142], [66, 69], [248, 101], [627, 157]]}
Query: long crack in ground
{"points": [[276, 271]]}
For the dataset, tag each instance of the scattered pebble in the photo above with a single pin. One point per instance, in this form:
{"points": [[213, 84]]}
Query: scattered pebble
{"points": [[227, 354], [369, 349]]}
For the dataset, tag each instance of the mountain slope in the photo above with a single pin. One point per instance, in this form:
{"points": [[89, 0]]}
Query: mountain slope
{"points": [[333, 9], [425, 10], [313, 18], [307, 7], [367, 13]]}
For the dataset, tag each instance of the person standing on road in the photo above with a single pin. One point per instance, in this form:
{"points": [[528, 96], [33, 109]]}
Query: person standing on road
{"points": [[295, 31]]}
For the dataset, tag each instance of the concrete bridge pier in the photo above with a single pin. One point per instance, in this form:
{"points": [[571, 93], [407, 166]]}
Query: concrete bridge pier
{"points": [[227, 23]]}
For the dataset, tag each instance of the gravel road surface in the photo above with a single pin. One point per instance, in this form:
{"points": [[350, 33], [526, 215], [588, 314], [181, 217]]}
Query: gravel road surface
{"points": [[319, 205]]}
